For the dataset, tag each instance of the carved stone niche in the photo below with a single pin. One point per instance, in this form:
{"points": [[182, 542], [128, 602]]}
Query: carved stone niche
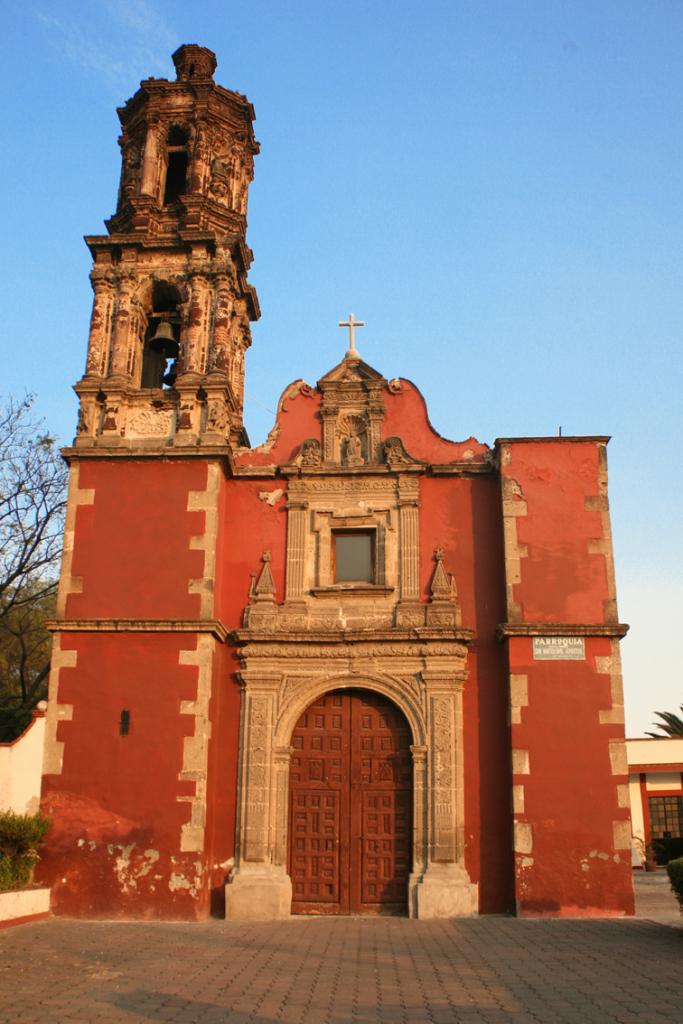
{"points": [[279, 681], [352, 411]]}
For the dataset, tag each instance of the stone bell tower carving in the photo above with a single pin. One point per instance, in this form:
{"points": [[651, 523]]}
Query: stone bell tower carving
{"points": [[172, 306]]}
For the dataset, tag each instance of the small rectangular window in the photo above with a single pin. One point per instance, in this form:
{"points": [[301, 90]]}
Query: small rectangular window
{"points": [[354, 556]]}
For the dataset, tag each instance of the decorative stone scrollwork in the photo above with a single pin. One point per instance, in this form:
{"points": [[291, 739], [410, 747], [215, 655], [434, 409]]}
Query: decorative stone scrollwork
{"points": [[84, 419], [395, 453], [150, 423], [186, 409], [217, 420], [311, 452], [231, 170], [130, 168], [110, 423]]}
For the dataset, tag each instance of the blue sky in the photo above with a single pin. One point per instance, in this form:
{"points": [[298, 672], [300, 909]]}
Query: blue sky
{"points": [[494, 187]]}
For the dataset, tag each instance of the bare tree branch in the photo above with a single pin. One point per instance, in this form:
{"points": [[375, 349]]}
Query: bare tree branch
{"points": [[33, 481]]}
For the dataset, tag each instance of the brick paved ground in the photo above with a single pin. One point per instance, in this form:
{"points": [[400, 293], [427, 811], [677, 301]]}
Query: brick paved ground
{"points": [[490, 970]]}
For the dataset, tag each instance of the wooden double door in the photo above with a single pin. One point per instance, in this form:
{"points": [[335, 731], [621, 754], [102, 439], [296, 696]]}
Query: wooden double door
{"points": [[350, 806]]}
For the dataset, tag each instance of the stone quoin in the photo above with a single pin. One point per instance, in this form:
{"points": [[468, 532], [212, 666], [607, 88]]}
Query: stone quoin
{"points": [[301, 677]]}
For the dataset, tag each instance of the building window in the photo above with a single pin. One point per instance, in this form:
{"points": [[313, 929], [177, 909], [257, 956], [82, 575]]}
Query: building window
{"points": [[353, 556], [666, 817]]}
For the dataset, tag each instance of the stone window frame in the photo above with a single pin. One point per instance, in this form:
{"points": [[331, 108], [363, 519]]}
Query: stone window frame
{"points": [[367, 532], [325, 523]]}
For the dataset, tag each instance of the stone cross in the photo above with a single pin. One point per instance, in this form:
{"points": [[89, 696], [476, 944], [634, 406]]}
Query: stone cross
{"points": [[351, 323]]}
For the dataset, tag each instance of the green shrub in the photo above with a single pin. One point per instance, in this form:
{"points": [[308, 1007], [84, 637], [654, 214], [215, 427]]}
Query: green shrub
{"points": [[20, 837], [675, 872]]}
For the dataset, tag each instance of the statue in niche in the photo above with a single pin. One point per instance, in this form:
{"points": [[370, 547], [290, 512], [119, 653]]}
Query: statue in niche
{"points": [[351, 429], [354, 451]]}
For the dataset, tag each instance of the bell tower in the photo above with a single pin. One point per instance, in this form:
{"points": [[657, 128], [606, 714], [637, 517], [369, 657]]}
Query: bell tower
{"points": [[172, 306]]}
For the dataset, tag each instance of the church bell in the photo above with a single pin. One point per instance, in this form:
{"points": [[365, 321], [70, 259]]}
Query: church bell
{"points": [[164, 341]]}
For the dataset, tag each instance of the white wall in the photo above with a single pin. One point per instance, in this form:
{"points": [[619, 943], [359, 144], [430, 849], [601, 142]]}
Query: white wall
{"points": [[667, 750], [21, 768]]}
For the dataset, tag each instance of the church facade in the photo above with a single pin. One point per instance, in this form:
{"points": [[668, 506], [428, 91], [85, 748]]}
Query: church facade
{"points": [[358, 669]]}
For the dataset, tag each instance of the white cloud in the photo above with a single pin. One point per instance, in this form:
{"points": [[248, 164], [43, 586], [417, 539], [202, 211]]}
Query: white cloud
{"points": [[121, 42], [143, 20]]}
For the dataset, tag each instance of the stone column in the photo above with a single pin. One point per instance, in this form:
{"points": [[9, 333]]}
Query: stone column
{"points": [[237, 368], [260, 888], [281, 759], [200, 166], [258, 730], [329, 414], [150, 162], [100, 324], [220, 355], [375, 416], [420, 825], [410, 611], [195, 339], [136, 335], [220, 410], [296, 551], [121, 333], [445, 889], [191, 364], [409, 519]]}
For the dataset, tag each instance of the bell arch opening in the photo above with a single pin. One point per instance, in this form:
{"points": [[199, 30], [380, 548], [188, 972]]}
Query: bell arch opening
{"points": [[160, 346]]}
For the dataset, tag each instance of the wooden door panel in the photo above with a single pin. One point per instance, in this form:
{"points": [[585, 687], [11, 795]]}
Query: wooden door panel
{"points": [[381, 772], [315, 846], [350, 806], [385, 848], [319, 785]]}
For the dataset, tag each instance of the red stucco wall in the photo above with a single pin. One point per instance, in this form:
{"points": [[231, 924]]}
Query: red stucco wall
{"points": [[118, 802], [132, 547], [115, 844], [570, 794], [114, 847]]}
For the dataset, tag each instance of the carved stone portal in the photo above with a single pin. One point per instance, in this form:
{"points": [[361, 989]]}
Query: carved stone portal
{"points": [[280, 680]]}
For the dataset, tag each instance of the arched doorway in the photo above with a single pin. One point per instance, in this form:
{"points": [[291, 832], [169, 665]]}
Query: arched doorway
{"points": [[350, 806]]}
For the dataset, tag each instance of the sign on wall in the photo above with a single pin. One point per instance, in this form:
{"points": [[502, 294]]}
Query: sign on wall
{"points": [[559, 648]]}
